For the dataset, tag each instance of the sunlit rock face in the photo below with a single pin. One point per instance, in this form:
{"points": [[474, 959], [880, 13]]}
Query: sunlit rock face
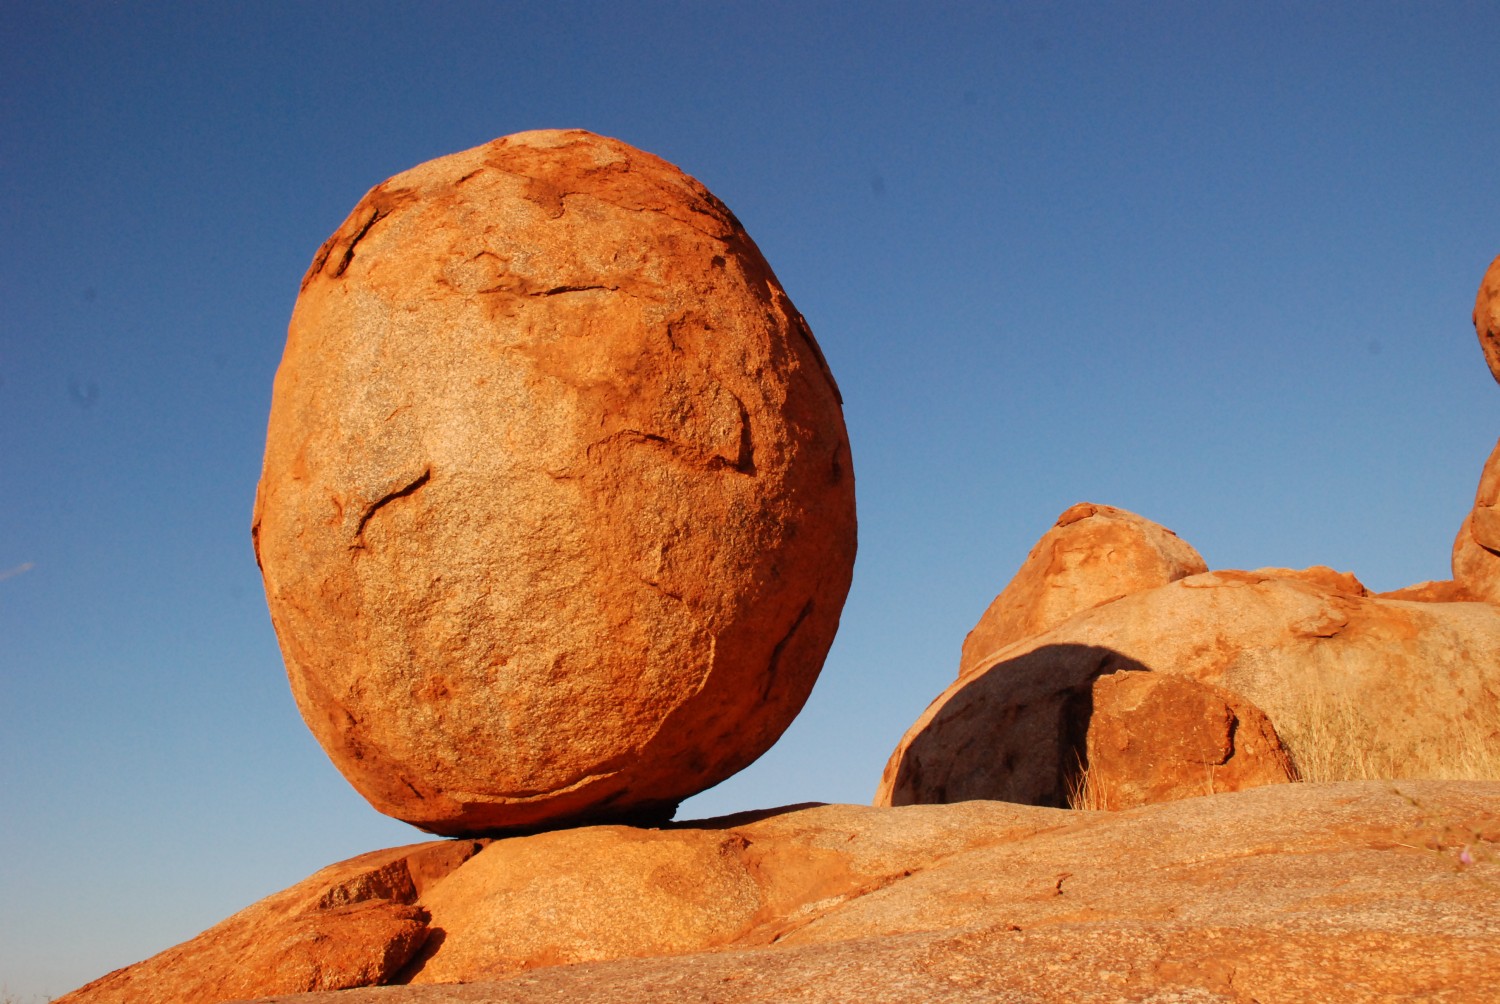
{"points": [[557, 514], [1357, 891], [1487, 317], [1476, 550], [1093, 554], [1215, 682]]}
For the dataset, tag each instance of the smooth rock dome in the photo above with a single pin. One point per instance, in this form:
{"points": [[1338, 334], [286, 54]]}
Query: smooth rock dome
{"points": [[557, 514]]}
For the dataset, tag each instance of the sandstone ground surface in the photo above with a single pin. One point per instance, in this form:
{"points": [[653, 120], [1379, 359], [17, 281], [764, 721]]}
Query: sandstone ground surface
{"points": [[1355, 891]]}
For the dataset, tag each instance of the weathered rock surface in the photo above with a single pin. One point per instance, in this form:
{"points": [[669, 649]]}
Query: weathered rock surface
{"points": [[1094, 554], [1476, 568], [1154, 737], [1476, 549], [1487, 317], [613, 892], [1321, 576], [1441, 591], [557, 514], [1391, 681], [1360, 891], [1486, 514], [353, 924]]}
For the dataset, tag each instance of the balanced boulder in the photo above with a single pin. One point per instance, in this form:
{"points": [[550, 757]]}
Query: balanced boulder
{"points": [[1093, 554], [557, 514]]}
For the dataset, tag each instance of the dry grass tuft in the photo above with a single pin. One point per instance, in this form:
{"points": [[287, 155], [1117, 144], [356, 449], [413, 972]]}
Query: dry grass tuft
{"points": [[1083, 792], [1329, 739]]}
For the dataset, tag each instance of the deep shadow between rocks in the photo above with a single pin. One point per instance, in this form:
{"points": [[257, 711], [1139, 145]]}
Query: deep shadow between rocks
{"points": [[1014, 732], [435, 938], [739, 818]]}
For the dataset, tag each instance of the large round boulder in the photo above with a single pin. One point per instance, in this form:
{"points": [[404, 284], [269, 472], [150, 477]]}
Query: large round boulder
{"points": [[557, 514]]}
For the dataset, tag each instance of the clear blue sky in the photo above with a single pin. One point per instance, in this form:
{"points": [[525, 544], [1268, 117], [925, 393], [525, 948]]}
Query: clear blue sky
{"points": [[1212, 263]]}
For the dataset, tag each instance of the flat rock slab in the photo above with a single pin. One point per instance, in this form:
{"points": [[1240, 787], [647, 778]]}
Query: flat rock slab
{"points": [[352, 924], [1353, 891], [1085, 963]]}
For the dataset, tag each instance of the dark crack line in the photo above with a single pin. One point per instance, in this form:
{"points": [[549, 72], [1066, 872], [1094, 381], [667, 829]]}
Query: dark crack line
{"points": [[774, 665], [799, 325], [570, 289], [375, 217], [745, 462], [1234, 728], [399, 493], [661, 590], [719, 236]]}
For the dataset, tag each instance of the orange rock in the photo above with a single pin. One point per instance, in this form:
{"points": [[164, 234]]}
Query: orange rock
{"points": [[1476, 549], [1476, 569], [1487, 317], [1486, 518], [1343, 892], [557, 514], [582, 895], [1443, 591], [1154, 737], [612, 892], [1094, 554], [353, 924], [1339, 675], [1319, 575]]}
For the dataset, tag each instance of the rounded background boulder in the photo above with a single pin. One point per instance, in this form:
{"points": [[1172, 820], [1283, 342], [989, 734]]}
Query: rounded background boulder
{"points": [[557, 514]]}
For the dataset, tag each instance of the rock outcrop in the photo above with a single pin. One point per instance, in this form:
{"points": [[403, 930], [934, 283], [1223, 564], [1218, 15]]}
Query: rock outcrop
{"points": [[1486, 516], [1432, 591], [557, 514], [1356, 891], [1094, 554], [1487, 317], [1155, 737], [1476, 549], [611, 892], [353, 924], [1394, 684]]}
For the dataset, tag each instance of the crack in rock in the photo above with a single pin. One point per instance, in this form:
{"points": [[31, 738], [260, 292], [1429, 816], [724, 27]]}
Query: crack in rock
{"points": [[389, 497]]}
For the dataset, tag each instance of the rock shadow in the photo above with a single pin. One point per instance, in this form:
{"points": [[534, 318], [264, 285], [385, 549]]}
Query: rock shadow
{"points": [[1014, 732], [419, 959], [739, 818]]}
